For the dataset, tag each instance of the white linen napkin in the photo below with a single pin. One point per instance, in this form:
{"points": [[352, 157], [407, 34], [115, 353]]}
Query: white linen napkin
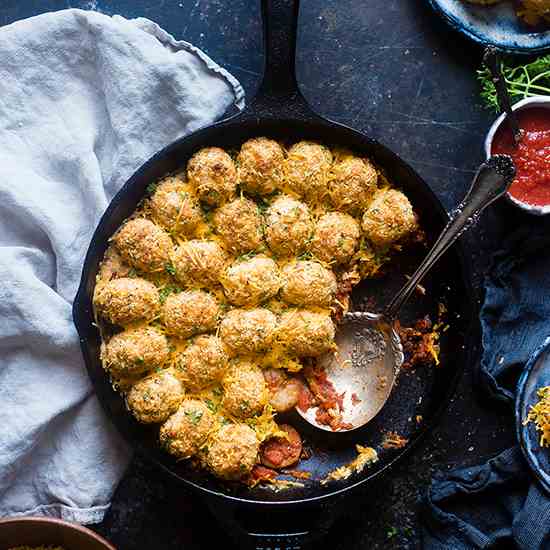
{"points": [[84, 100]]}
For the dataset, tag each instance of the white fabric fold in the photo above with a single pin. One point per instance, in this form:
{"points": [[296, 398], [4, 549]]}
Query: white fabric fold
{"points": [[85, 99]]}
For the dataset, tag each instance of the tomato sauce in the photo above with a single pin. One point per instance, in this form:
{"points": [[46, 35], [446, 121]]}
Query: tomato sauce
{"points": [[330, 403], [305, 398], [532, 156]]}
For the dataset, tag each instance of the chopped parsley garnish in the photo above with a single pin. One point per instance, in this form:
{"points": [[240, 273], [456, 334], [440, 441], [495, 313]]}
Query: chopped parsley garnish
{"points": [[151, 188], [132, 273], [247, 256], [194, 416], [263, 205], [211, 405], [170, 268]]}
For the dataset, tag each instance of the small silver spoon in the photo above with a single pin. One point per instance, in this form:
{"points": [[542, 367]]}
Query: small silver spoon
{"points": [[491, 59], [370, 353]]}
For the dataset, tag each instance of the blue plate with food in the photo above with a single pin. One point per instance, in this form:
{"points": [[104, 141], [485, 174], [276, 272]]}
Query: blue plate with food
{"points": [[533, 413], [511, 25]]}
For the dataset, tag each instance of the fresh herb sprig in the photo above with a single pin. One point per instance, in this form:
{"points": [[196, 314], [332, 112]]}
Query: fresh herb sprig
{"points": [[523, 81]]}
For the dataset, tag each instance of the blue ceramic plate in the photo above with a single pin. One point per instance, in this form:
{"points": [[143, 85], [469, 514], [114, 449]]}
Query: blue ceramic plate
{"points": [[497, 25], [535, 376]]}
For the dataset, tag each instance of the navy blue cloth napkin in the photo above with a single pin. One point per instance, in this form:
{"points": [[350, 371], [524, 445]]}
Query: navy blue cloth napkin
{"points": [[499, 504]]}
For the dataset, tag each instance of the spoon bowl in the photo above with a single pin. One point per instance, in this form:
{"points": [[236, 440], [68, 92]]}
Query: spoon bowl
{"points": [[363, 369], [369, 352]]}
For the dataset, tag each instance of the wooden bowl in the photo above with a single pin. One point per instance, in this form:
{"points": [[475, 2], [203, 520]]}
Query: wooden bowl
{"points": [[39, 531]]}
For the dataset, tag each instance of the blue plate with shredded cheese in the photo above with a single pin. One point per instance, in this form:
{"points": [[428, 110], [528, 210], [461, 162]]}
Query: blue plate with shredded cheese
{"points": [[535, 376], [497, 25]]}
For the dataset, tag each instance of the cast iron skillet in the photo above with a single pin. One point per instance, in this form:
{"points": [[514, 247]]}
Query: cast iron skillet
{"points": [[290, 518]]}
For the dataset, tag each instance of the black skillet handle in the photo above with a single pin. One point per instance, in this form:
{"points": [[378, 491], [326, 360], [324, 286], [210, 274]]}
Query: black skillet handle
{"points": [[290, 526], [279, 95]]}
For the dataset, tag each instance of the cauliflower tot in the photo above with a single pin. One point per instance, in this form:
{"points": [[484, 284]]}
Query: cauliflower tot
{"points": [[389, 218], [336, 238], [248, 330], [260, 166], [308, 283], [306, 333], [113, 265], [240, 226], [183, 434], [173, 208], [306, 169], [233, 452], [203, 362], [288, 226], [212, 173], [352, 184], [244, 389], [135, 351], [126, 300], [251, 282], [188, 313], [144, 245], [153, 399], [199, 263]]}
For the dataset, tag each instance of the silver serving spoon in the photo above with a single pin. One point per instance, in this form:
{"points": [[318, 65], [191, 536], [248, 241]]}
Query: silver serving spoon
{"points": [[370, 353]]}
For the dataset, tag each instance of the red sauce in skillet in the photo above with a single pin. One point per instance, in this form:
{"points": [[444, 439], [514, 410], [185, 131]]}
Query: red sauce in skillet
{"points": [[532, 156]]}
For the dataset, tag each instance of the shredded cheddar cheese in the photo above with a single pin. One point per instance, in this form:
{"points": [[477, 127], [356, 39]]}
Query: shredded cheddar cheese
{"points": [[366, 456], [539, 414]]}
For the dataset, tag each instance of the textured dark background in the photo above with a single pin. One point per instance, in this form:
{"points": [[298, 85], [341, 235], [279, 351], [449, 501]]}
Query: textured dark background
{"points": [[389, 68]]}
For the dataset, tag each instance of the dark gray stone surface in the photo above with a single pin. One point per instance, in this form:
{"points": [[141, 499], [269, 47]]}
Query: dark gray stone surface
{"points": [[393, 70]]}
